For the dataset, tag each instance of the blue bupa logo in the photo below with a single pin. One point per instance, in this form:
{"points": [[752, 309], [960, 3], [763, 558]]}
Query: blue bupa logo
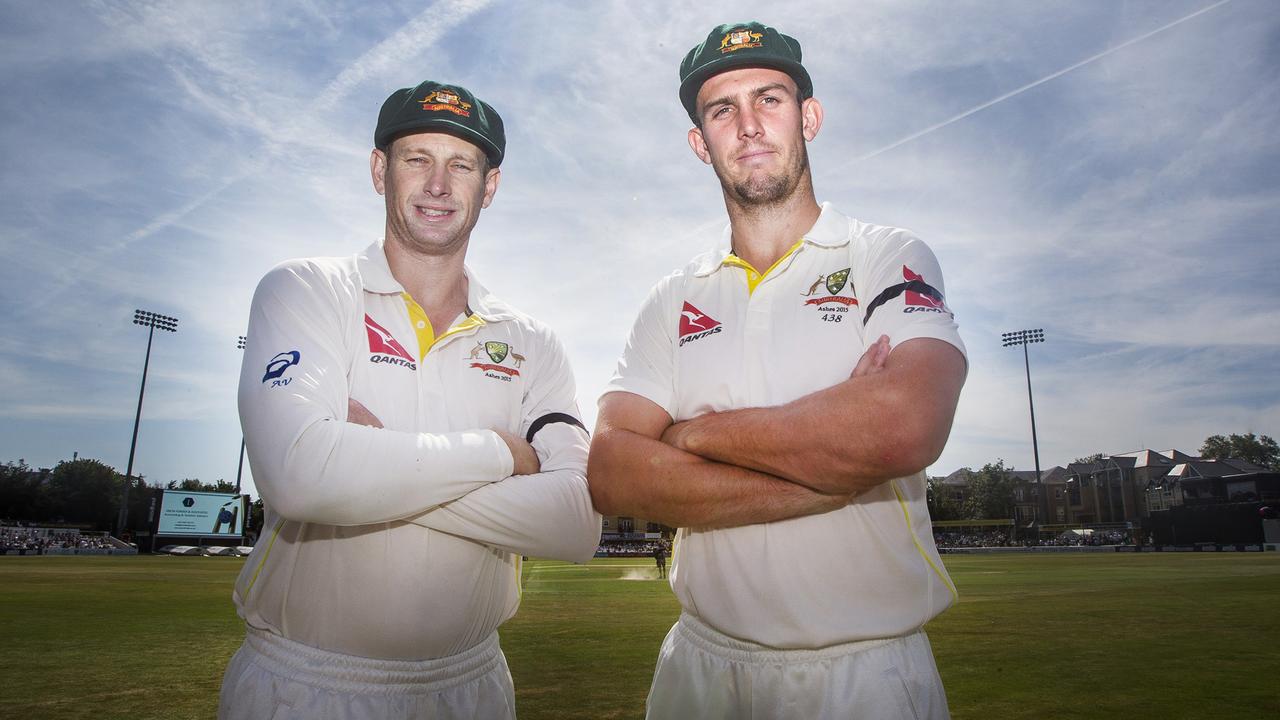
{"points": [[277, 366]]}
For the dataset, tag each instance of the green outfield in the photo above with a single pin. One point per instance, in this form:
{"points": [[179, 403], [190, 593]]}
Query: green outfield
{"points": [[1091, 636]]}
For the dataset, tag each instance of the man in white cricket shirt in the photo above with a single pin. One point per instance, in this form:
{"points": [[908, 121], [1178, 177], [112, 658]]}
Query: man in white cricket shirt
{"points": [[412, 436], [778, 400]]}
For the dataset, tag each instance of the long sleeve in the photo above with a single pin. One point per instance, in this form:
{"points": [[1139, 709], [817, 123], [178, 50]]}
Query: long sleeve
{"points": [[548, 514], [309, 463]]}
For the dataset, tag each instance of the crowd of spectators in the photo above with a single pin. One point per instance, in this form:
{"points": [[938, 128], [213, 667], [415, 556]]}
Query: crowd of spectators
{"points": [[630, 548], [26, 538], [971, 538], [1001, 538], [1097, 537]]}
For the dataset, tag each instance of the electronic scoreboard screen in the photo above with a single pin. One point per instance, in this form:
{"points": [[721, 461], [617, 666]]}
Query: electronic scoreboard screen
{"points": [[201, 514]]}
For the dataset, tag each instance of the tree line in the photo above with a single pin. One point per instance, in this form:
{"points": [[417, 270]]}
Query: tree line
{"points": [[86, 493]]}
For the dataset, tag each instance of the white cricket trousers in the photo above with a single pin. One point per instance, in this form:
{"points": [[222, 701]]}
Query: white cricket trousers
{"points": [[705, 674], [272, 678]]}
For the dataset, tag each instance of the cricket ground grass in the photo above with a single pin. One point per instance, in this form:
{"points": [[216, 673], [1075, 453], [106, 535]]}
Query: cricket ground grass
{"points": [[1156, 635]]}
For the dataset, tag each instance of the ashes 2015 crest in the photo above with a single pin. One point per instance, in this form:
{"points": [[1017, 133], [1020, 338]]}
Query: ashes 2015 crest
{"points": [[835, 303], [499, 353]]}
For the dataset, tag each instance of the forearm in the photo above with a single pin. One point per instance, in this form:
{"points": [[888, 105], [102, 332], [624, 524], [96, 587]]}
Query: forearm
{"points": [[309, 462], [636, 475], [545, 515], [786, 443], [338, 473], [848, 437]]}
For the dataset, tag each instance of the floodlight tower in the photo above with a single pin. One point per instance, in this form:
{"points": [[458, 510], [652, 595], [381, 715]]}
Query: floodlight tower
{"points": [[1024, 338], [240, 467], [152, 321]]}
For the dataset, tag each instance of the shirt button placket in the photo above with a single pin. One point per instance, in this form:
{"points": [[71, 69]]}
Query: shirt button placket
{"points": [[755, 340]]}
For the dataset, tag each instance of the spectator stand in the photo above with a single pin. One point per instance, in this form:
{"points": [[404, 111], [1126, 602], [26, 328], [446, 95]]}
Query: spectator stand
{"points": [[20, 540], [955, 534], [632, 544]]}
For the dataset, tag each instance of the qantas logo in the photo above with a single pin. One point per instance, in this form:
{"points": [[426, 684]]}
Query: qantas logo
{"points": [[918, 296], [695, 324], [920, 299], [383, 348]]}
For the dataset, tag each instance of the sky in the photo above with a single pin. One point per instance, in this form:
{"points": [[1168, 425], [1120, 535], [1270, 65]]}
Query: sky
{"points": [[1106, 170]]}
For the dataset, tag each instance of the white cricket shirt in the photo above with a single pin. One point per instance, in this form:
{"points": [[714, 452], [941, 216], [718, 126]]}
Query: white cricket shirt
{"points": [[705, 341], [401, 542]]}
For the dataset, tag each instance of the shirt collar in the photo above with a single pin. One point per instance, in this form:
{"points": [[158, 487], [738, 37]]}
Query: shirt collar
{"points": [[830, 230], [375, 274]]}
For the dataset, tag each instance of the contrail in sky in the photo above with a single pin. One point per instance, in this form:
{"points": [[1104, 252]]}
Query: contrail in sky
{"points": [[1036, 83], [420, 32]]}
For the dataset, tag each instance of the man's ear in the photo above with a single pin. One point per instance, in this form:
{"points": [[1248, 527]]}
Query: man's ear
{"points": [[810, 118], [378, 169], [491, 179], [699, 145]]}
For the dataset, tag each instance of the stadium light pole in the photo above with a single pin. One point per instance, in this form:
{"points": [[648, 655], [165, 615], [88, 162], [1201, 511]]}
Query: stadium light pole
{"points": [[240, 467], [152, 321], [1025, 338]]}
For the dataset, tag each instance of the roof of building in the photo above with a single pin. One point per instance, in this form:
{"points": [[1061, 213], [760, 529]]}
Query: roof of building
{"points": [[1149, 458], [1243, 465], [1085, 468], [1208, 469], [1055, 475], [1178, 456]]}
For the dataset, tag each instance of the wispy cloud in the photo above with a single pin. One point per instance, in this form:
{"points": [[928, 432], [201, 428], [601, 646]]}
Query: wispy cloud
{"points": [[388, 56], [1036, 83], [1123, 194], [232, 73]]}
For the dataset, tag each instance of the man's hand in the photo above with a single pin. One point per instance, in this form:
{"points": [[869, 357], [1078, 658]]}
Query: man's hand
{"points": [[526, 460], [871, 362], [632, 472], [360, 415]]}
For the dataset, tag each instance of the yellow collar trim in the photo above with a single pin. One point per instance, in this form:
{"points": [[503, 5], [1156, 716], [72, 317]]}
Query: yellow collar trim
{"points": [[426, 333], [755, 277], [470, 323]]}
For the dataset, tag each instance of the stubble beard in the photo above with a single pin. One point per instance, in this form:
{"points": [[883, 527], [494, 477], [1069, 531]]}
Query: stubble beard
{"points": [[431, 242], [421, 243], [770, 190]]}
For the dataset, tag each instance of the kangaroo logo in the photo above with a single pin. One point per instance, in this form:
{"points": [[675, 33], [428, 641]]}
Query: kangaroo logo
{"points": [[834, 283], [695, 324], [495, 351]]}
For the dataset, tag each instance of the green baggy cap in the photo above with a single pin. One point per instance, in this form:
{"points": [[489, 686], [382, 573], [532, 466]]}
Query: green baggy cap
{"points": [[434, 107], [729, 47]]}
